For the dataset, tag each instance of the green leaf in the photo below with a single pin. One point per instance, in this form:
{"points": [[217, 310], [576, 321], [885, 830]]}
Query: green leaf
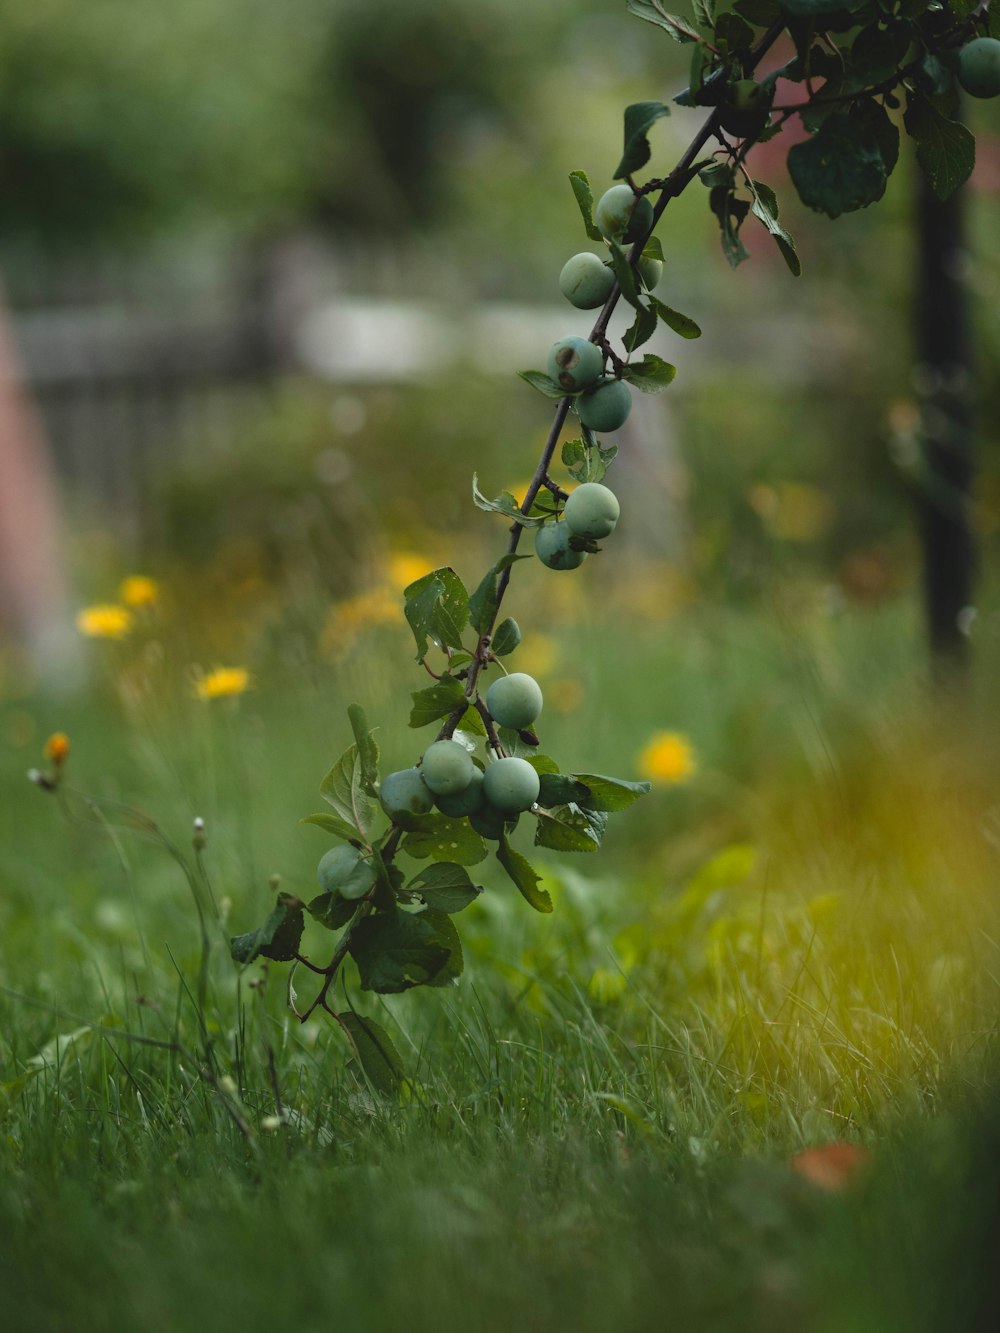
{"points": [[331, 910], [653, 249], [719, 173], [733, 33], [483, 602], [377, 1056], [506, 637], [586, 460], [641, 330], [343, 790], [625, 275], [761, 13], [946, 150], [841, 168], [445, 886], [332, 824], [540, 381], [682, 324], [447, 935], [876, 54], [730, 212], [651, 375], [278, 938], [505, 504], [367, 748], [542, 763], [610, 793], [566, 828], [765, 206], [810, 8], [397, 950], [524, 876], [679, 29], [585, 199], [443, 839], [437, 608], [559, 789], [639, 117], [471, 721], [436, 701]]}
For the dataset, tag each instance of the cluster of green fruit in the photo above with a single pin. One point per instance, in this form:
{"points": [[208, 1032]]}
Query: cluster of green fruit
{"points": [[590, 513], [979, 67], [586, 280], [448, 777]]}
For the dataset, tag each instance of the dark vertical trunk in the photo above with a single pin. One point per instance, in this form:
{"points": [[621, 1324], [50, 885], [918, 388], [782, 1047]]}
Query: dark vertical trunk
{"points": [[944, 382]]}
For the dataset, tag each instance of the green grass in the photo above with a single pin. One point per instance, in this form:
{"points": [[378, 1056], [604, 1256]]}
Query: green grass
{"points": [[798, 947]]}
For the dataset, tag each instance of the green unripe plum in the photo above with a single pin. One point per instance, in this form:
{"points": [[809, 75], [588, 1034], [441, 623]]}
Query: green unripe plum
{"points": [[586, 281], [553, 549], [405, 793], [447, 767], [465, 802], [343, 871], [747, 108], [511, 785], [591, 511], [979, 67], [621, 215], [574, 363], [514, 701], [605, 407], [488, 822], [651, 271]]}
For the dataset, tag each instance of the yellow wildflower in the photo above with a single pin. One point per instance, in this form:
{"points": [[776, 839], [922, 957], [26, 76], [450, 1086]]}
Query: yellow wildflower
{"points": [[668, 757], [57, 748], [222, 683], [138, 590], [405, 568], [104, 621]]}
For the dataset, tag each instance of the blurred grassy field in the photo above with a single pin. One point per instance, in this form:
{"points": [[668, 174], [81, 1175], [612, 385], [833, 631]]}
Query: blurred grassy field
{"points": [[790, 943]]}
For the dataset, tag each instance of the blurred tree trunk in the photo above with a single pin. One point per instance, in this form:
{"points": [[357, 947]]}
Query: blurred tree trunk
{"points": [[944, 380]]}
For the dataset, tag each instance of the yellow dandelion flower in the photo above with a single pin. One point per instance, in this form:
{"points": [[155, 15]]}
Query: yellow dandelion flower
{"points": [[104, 621], [222, 683], [405, 568], [668, 757], [57, 748], [138, 590]]}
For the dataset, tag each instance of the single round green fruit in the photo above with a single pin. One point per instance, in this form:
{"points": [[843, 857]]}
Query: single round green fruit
{"points": [[405, 793], [979, 67], [623, 216], [514, 701], [343, 871], [591, 511], [447, 767], [586, 281], [574, 363], [747, 108], [651, 271], [606, 407], [511, 784], [553, 549], [489, 823], [465, 802]]}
